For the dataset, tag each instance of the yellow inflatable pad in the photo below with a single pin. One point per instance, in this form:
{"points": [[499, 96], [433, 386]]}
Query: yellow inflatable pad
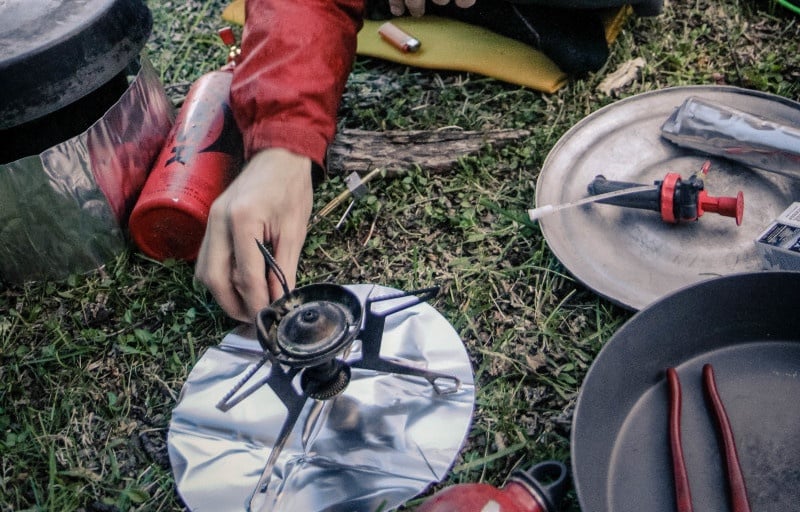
{"points": [[456, 46]]}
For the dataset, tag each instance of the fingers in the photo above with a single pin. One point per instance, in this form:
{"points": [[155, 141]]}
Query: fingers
{"points": [[248, 272], [287, 255], [270, 201], [214, 262], [416, 7], [289, 234], [397, 7]]}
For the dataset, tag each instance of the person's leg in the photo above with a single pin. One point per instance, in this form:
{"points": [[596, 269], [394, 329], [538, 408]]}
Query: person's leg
{"points": [[570, 32], [574, 39], [641, 7]]}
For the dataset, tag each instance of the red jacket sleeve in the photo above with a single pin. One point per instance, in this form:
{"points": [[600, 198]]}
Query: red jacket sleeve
{"points": [[287, 85]]}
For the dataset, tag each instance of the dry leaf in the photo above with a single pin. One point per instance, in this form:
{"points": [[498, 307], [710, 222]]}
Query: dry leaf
{"points": [[624, 75]]}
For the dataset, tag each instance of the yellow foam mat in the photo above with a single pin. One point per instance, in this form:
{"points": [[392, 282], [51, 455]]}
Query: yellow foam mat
{"points": [[456, 46]]}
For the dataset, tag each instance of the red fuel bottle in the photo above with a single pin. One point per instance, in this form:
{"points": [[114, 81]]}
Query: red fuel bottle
{"points": [[540, 489], [202, 155]]}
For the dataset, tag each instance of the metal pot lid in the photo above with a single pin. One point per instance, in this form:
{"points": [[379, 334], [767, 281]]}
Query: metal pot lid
{"points": [[630, 256], [53, 52], [380, 442]]}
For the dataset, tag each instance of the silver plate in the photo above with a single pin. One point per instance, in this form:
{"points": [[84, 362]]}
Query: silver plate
{"points": [[376, 445], [630, 256]]}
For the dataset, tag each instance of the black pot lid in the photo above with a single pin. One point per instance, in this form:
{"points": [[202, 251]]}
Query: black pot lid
{"points": [[53, 52]]}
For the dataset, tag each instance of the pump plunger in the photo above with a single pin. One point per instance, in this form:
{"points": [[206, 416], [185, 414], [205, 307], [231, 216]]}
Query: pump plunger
{"points": [[676, 199]]}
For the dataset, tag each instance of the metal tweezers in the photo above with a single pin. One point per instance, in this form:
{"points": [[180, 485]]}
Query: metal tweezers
{"points": [[736, 487]]}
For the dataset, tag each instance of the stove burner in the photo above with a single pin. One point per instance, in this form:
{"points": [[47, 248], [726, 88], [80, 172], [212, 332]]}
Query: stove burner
{"points": [[305, 331], [310, 325]]}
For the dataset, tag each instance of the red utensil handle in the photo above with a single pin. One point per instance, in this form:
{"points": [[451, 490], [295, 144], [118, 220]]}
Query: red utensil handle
{"points": [[683, 496], [738, 492]]}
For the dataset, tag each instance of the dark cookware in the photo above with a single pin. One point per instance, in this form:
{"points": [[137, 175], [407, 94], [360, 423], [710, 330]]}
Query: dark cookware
{"points": [[748, 327], [63, 63]]}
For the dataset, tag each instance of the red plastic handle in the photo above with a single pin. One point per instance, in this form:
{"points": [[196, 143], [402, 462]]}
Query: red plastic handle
{"points": [[738, 492], [725, 206], [683, 496]]}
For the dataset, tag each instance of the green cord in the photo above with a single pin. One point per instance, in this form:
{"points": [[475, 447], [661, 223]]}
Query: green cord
{"points": [[789, 5]]}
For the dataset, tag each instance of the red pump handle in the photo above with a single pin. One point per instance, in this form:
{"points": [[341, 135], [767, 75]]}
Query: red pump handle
{"points": [[725, 206]]}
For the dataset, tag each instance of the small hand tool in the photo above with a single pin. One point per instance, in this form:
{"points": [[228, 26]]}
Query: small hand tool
{"points": [[356, 187], [736, 487]]}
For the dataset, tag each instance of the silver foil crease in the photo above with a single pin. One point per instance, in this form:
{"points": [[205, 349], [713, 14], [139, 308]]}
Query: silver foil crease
{"points": [[373, 447], [65, 210], [721, 130]]}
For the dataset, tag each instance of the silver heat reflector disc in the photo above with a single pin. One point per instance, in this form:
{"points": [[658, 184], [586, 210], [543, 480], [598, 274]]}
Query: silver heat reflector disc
{"points": [[380, 442]]}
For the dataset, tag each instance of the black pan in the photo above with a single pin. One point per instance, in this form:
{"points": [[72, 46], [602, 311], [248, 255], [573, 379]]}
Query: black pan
{"points": [[748, 327]]}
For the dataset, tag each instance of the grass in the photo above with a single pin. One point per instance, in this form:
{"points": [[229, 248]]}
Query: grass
{"points": [[91, 367]]}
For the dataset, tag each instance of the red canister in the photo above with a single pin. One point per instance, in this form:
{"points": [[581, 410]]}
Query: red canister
{"points": [[202, 155], [540, 489]]}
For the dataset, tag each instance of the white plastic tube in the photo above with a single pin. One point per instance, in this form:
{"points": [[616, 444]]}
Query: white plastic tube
{"points": [[542, 211]]}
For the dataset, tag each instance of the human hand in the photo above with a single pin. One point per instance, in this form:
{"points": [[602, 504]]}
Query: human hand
{"points": [[270, 200], [417, 7]]}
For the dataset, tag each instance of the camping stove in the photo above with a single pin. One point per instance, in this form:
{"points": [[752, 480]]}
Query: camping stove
{"points": [[304, 332], [376, 394]]}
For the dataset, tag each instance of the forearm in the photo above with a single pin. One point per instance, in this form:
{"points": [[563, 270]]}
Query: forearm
{"points": [[296, 56]]}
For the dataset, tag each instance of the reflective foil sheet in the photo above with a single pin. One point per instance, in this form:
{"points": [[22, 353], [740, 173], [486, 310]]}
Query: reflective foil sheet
{"points": [[376, 445], [744, 137], [64, 211]]}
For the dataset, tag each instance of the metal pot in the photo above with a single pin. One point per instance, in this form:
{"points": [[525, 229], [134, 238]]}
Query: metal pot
{"points": [[63, 65]]}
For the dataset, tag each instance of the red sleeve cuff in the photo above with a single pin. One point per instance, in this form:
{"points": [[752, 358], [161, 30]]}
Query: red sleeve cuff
{"points": [[299, 139], [296, 57]]}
